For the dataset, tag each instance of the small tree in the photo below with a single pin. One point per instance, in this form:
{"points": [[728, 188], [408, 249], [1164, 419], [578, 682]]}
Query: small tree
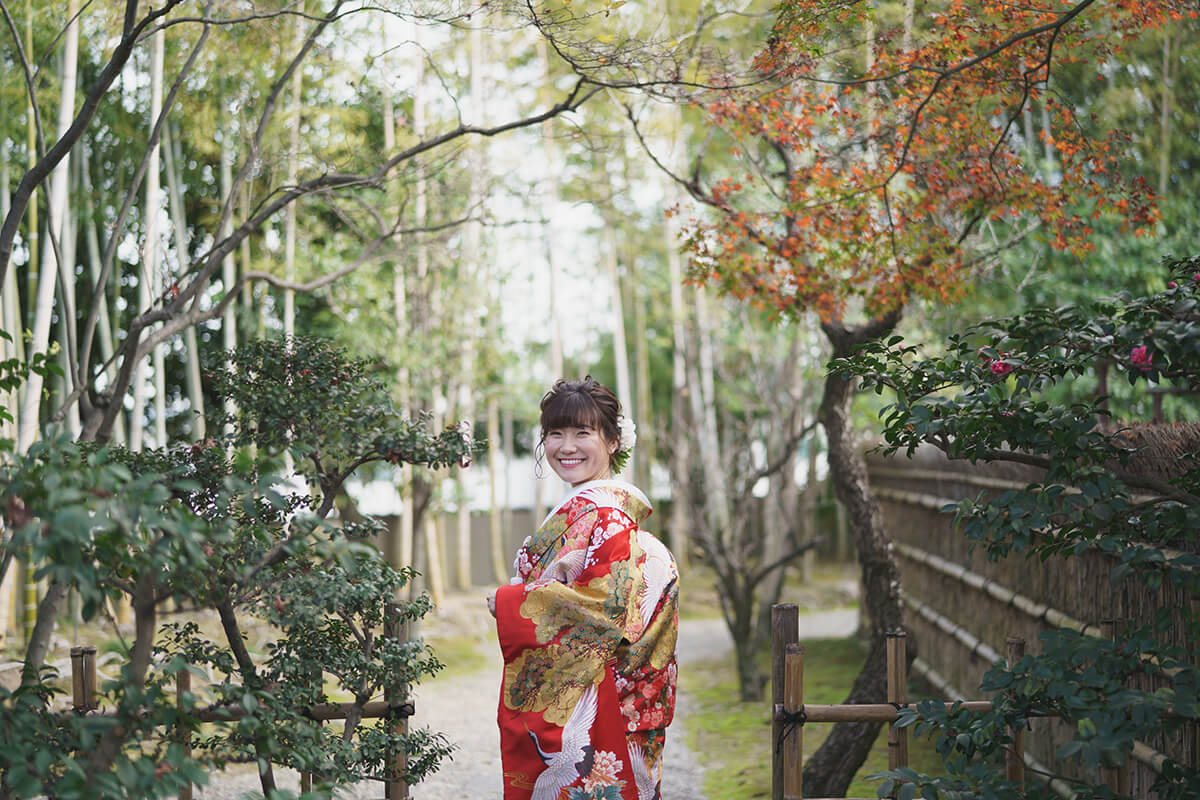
{"points": [[986, 399], [211, 526]]}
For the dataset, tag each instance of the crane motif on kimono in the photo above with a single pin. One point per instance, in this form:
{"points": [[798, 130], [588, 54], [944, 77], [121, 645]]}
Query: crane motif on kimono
{"points": [[574, 760]]}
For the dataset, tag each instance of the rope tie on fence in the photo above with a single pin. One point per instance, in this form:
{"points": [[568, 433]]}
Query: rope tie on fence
{"points": [[399, 711], [792, 721]]}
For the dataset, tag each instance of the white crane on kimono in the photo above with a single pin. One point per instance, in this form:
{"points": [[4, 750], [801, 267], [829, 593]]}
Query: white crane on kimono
{"points": [[656, 572], [566, 568], [574, 759], [647, 787]]}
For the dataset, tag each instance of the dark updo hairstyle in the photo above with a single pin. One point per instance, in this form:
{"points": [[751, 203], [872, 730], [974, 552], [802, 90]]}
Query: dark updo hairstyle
{"points": [[584, 403]]}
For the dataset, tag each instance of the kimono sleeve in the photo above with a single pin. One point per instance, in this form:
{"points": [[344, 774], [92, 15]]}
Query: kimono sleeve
{"points": [[558, 631]]}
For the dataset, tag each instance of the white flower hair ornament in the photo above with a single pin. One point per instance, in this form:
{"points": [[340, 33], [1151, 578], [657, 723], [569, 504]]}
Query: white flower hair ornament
{"points": [[625, 442]]}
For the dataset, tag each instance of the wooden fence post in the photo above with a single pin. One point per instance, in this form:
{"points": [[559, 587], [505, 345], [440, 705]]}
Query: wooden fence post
{"points": [[83, 677], [785, 630], [897, 695], [793, 703], [183, 685], [1014, 757], [396, 627]]}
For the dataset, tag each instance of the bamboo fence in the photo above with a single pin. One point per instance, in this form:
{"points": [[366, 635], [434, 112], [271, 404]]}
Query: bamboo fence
{"points": [[790, 713], [396, 707], [964, 607]]}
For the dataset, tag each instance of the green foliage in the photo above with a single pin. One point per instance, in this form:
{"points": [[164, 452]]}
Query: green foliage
{"points": [[985, 398], [209, 527], [308, 397]]}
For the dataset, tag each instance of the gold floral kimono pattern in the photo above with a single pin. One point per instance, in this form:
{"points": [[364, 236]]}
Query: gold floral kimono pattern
{"points": [[588, 630]]}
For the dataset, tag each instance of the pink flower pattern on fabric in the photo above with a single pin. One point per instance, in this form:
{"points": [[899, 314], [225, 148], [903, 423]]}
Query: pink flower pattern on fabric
{"points": [[605, 769]]}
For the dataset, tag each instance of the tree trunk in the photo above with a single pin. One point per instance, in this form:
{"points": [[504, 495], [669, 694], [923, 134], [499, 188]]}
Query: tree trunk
{"points": [[293, 157], [680, 452], [68, 317], [829, 771], [30, 412], [104, 317], [704, 412], [497, 474], [549, 201], [647, 432], [1164, 118], [745, 645], [153, 249], [10, 321], [620, 348], [229, 330]]}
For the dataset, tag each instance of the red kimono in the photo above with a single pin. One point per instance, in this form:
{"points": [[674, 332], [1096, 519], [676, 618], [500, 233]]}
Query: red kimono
{"points": [[588, 630]]}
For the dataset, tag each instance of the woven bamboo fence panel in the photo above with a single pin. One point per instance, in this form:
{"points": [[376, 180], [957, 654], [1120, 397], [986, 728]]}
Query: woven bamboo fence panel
{"points": [[945, 613]]}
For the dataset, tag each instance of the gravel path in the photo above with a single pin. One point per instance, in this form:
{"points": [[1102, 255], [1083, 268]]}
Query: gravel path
{"points": [[463, 707]]}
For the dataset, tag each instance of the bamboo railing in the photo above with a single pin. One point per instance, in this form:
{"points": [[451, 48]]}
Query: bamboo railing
{"points": [[395, 707], [790, 714]]}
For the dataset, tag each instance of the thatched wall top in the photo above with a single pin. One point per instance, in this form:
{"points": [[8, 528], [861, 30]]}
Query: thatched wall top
{"points": [[1162, 451]]}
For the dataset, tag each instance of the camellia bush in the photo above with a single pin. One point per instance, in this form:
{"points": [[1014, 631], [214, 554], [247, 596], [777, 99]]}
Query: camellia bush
{"points": [[213, 530], [989, 397]]}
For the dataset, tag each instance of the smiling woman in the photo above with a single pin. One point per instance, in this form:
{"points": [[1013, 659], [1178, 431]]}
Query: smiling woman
{"points": [[587, 627]]}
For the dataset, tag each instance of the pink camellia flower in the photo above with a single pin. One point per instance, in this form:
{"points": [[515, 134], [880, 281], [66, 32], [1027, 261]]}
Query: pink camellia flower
{"points": [[1000, 368], [1196, 277], [1140, 358], [1171, 284]]}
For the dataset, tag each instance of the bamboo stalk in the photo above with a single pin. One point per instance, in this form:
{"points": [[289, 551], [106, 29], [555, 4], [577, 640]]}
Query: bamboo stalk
{"points": [[935, 503], [897, 693], [1038, 611], [785, 630], [1014, 757], [322, 712], [871, 712], [974, 645], [793, 745]]}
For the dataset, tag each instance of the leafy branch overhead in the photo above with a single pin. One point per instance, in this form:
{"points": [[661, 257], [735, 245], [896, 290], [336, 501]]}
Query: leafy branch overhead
{"points": [[885, 159], [333, 415]]}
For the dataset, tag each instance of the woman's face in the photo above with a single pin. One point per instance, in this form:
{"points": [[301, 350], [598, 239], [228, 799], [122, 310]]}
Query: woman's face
{"points": [[578, 454]]}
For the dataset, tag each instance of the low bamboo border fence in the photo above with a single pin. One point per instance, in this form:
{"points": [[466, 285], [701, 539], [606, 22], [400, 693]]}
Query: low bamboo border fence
{"points": [[790, 713], [396, 706]]}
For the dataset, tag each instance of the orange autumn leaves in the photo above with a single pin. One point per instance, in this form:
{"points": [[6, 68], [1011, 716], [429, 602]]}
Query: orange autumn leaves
{"points": [[877, 184]]}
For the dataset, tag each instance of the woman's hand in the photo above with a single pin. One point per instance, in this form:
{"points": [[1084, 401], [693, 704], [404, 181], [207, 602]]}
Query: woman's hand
{"points": [[491, 602]]}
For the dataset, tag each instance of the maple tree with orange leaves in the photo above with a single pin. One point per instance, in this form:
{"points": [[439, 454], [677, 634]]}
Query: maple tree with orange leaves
{"points": [[868, 175], [881, 156]]}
